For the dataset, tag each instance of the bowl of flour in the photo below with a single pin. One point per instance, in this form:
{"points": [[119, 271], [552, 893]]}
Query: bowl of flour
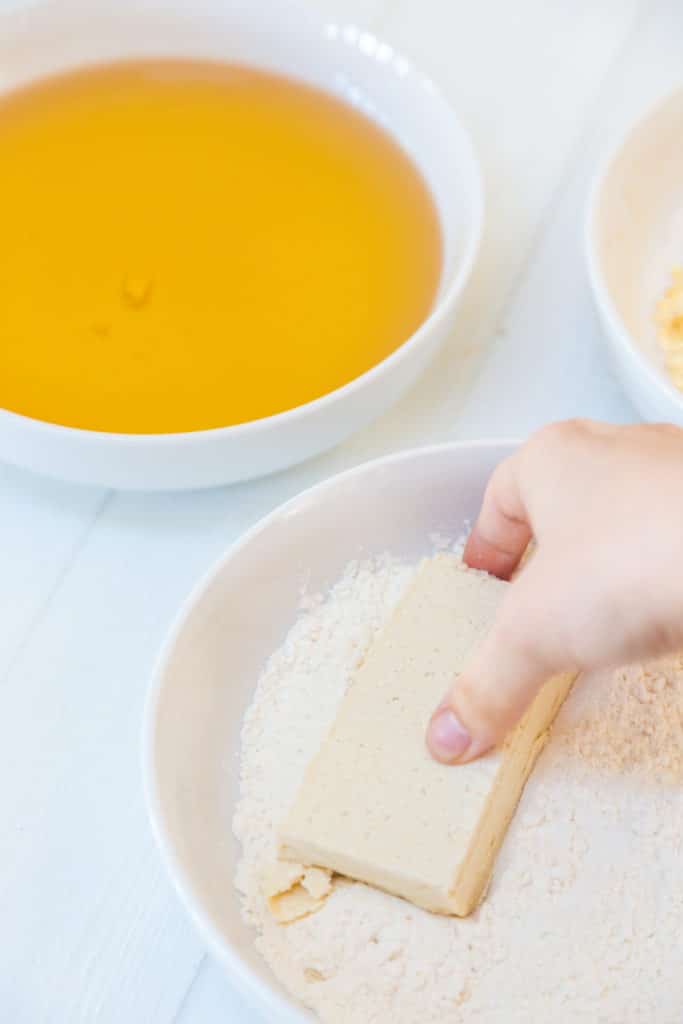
{"points": [[582, 922]]}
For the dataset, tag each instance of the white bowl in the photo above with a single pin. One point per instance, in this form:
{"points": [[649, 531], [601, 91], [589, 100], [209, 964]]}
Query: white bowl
{"points": [[634, 239], [234, 619], [277, 35]]}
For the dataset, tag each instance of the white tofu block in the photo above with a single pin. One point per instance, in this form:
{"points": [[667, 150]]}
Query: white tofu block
{"points": [[373, 805]]}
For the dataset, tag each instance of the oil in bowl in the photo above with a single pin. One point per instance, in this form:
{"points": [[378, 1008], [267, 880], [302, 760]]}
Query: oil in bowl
{"points": [[190, 245]]}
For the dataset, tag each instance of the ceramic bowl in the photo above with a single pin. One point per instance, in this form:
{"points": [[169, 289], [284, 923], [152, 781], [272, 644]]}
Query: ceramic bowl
{"points": [[634, 239], [280, 36], [234, 619]]}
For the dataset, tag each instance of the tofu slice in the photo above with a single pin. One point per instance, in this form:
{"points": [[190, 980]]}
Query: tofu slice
{"points": [[373, 805]]}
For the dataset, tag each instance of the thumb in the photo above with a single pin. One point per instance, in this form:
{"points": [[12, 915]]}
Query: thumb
{"points": [[521, 651]]}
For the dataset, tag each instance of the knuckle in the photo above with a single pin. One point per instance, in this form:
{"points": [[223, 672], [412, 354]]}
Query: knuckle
{"points": [[668, 430], [562, 432], [509, 636], [482, 710], [545, 454], [545, 441], [529, 643], [493, 715], [498, 483]]}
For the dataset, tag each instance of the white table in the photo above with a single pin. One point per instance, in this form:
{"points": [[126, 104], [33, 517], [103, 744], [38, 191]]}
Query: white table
{"points": [[90, 930]]}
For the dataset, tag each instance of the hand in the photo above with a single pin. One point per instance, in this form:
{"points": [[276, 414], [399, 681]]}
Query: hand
{"points": [[604, 587]]}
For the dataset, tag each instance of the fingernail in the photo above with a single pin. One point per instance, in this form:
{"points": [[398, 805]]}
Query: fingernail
{"points": [[447, 737]]}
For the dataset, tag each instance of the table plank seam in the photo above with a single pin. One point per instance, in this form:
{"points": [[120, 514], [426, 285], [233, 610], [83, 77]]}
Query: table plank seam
{"points": [[24, 641], [188, 991]]}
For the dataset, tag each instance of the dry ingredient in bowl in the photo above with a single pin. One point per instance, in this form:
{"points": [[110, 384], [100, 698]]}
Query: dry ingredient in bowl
{"points": [[583, 919], [630, 722], [669, 318]]}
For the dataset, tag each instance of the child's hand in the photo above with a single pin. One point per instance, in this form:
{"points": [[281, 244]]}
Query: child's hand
{"points": [[605, 586]]}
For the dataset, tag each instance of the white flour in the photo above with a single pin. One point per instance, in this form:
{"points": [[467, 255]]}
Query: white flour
{"points": [[583, 923]]}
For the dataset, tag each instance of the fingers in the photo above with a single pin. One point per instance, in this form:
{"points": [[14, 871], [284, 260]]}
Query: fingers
{"points": [[502, 531], [527, 644], [523, 649]]}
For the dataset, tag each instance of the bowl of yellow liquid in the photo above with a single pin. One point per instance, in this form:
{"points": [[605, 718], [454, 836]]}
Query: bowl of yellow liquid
{"points": [[233, 234]]}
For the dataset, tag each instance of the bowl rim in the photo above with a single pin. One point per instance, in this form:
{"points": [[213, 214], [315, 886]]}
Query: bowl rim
{"points": [[472, 175], [618, 336], [245, 981]]}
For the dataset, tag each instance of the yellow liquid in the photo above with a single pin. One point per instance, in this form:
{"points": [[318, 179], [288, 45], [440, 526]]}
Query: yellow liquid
{"points": [[187, 245]]}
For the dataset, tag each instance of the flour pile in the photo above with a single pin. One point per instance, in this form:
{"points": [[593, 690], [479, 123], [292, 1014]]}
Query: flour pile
{"points": [[583, 923]]}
